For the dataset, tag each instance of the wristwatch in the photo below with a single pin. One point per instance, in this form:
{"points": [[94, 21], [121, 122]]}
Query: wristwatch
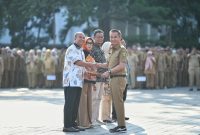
{"points": [[109, 71]]}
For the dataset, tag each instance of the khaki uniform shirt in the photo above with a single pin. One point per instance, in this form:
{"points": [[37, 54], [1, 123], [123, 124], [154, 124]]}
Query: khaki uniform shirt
{"points": [[194, 61], [119, 54]]}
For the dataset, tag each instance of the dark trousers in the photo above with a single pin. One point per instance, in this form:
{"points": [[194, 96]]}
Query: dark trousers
{"points": [[72, 99], [114, 115]]}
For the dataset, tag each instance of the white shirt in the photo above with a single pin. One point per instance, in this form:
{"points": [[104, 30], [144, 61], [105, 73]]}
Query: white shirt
{"points": [[73, 74]]}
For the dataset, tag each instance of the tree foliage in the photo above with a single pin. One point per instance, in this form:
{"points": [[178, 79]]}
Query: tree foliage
{"points": [[26, 20]]}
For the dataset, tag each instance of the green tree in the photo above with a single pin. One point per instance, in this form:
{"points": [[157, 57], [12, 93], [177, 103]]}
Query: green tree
{"points": [[28, 19], [24, 17]]}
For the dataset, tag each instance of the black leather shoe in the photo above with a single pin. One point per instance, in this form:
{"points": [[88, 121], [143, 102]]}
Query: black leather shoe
{"points": [[118, 129], [70, 129], [126, 118], [191, 89], [79, 128], [107, 121]]}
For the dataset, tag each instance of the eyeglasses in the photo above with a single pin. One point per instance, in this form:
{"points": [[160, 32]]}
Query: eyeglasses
{"points": [[89, 43]]}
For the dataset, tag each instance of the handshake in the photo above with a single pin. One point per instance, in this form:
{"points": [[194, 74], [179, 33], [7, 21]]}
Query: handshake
{"points": [[94, 65]]}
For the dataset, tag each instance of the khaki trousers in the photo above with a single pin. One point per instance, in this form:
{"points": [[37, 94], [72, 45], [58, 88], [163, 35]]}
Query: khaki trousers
{"points": [[106, 103], [161, 78], [194, 75], [96, 99], [174, 78], [117, 85], [85, 106], [31, 80], [133, 78]]}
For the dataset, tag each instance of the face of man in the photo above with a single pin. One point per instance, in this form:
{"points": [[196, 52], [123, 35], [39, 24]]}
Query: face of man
{"points": [[79, 39], [115, 39], [99, 38]]}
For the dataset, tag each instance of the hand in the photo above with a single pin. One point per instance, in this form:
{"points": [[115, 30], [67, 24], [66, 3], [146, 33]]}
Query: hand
{"points": [[101, 65], [91, 65], [105, 74]]}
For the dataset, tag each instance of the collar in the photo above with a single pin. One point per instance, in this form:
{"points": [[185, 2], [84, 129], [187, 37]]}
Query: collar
{"points": [[77, 46], [97, 45], [116, 47]]}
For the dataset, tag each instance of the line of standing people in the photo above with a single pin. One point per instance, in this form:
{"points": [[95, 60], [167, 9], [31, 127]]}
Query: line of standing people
{"points": [[78, 81]]}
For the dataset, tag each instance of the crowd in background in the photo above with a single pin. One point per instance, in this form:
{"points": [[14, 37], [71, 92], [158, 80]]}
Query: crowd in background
{"points": [[20, 68], [164, 67], [170, 67]]}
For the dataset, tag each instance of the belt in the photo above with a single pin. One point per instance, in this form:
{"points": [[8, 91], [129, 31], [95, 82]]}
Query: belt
{"points": [[111, 76]]}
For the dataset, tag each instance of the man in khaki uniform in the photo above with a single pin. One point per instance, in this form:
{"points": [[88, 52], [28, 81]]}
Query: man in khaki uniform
{"points": [[133, 61], [9, 66], [174, 68], [59, 69], [5, 82], [16, 65], [180, 67], [39, 67], [49, 69], [117, 72], [194, 69], [168, 72], [185, 67], [30, 66], [22, 77], [141, 53], [161, 67], [54, 55]]}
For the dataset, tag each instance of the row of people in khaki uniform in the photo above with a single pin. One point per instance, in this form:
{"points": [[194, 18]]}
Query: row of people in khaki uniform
{"points": [[170, 68], [31, 69], [164, 68]]}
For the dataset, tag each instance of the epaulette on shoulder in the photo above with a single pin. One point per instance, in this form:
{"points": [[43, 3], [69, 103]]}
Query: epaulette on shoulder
{"points": [[121, 46]]}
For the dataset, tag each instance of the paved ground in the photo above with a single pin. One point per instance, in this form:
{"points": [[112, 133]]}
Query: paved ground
{"points": [[151, 112]]}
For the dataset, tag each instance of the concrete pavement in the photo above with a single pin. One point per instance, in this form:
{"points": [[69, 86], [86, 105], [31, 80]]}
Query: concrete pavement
{"points": [[152, 112]]}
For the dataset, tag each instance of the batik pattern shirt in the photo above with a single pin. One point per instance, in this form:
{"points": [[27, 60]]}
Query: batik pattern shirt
{"points": [[73, 75], [99, 56]]}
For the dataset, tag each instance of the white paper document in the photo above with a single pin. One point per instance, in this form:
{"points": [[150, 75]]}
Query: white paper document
{"points": [[51, 77], [141, 78]]}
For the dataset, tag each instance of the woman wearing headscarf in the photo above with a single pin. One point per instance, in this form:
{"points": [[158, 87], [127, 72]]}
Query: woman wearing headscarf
{"points": [[85, 106], [150, 70]]}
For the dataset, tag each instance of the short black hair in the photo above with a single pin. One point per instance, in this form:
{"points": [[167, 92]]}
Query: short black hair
{"points": [[117, 31], [98, 31]]}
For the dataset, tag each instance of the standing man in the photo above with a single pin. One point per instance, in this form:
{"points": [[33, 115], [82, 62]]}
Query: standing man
{"points": [[74, 67], [117, 72], [194, 69], [99, 56]]}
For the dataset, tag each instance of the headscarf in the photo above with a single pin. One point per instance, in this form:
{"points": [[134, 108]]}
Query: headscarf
{"points": [[84, 46]]}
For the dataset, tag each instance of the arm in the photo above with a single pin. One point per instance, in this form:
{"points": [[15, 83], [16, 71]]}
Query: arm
{"points": [[84, 64], [102, 65], [118, 68], [114, 70]]}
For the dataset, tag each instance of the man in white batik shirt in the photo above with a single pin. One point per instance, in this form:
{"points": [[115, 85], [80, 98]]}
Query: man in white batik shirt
{"points": [[74, 68], [73, 74]]}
